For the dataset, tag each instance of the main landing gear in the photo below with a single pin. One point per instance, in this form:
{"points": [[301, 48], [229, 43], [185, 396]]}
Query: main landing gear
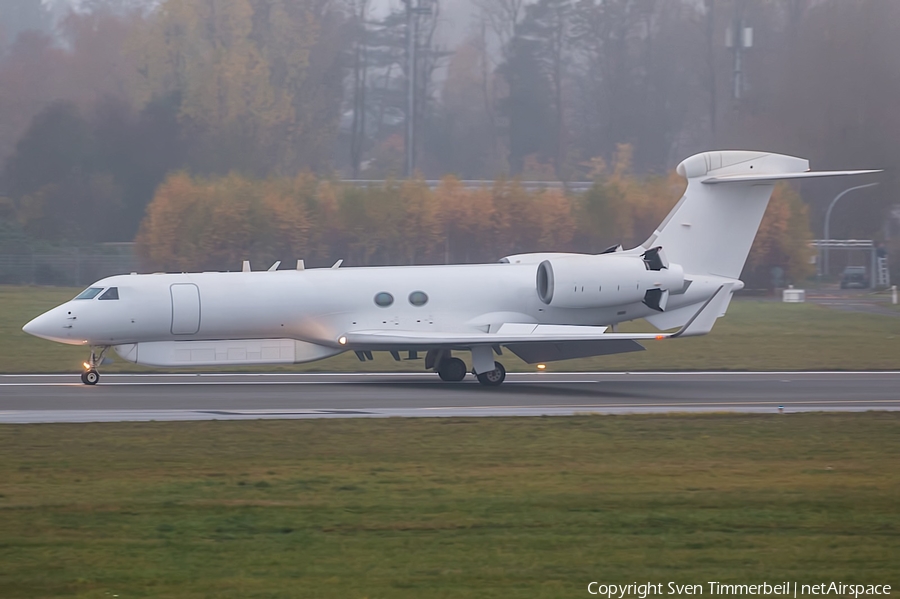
{"points": [[453, 370], [493, 378], [90, 376]]}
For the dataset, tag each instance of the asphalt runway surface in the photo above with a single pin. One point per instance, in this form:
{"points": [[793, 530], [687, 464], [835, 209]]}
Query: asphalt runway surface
{"points": [[145, 397]]}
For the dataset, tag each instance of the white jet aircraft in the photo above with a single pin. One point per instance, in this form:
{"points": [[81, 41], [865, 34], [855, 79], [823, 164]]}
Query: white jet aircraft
{"points": [[541, 307]]}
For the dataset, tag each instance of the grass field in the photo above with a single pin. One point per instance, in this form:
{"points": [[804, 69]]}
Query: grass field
{"points": [[754, 335], [411, 508]]}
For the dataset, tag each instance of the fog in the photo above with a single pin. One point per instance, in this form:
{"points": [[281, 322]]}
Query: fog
{"points": [[100, 100]]}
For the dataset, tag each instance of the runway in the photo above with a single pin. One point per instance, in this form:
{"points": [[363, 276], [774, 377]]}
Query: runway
{"points": [[145, 397]]}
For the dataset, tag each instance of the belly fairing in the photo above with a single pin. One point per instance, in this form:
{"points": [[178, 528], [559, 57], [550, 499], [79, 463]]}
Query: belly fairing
{"points": [[229, 352]]}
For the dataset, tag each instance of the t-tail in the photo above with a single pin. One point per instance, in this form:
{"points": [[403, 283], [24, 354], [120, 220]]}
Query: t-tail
{"points": [[710, 230]]}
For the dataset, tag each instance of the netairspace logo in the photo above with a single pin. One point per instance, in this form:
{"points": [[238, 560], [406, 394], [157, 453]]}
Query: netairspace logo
{"points": [[713, 588]]}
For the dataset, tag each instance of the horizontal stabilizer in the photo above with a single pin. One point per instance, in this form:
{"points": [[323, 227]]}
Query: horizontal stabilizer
{"points": [[782, 176]]}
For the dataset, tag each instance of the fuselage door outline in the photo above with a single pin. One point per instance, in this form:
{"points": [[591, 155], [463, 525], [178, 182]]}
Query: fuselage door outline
{"points": [[185, 308]]}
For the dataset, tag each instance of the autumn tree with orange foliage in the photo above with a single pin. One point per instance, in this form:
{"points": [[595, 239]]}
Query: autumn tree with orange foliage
{"points": [[198, 224], [465, 220], [622, 209], [782, 241], [195, 223]]}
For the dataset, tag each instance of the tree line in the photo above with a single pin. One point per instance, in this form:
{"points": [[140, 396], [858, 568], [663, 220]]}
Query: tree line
{"points": [[200, 223]]}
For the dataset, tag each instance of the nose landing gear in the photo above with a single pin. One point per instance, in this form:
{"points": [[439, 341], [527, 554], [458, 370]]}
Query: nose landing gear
{"points": [[90, 376]]}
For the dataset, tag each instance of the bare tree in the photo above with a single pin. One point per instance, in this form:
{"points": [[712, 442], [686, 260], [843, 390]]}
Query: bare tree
{"points": [[487, 83], [359, 9], [430, 59], [504, 17], [554, 21]]}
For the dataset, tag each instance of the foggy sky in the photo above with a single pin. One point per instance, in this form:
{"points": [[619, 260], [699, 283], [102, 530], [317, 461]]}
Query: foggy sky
{"points": [[457, 18]]}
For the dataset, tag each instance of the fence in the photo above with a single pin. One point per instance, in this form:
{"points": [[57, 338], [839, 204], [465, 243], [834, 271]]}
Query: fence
{"points": [[878, 270], [571, 186], [72, 267]]}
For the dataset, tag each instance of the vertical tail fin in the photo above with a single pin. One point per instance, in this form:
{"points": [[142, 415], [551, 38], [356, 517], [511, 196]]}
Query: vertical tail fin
{"points": [[711, 229]]}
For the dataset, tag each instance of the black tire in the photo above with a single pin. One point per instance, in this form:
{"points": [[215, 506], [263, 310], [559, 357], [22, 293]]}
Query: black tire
{"points": [[90, 377], [452, 370], [494, 377]]}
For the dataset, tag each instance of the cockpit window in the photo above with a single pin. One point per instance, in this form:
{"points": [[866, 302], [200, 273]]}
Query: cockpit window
{"points": [[89, 293], [111, 294]]}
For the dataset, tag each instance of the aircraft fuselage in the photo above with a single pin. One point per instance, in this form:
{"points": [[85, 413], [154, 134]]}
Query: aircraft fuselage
{"points": [[313, 305]]}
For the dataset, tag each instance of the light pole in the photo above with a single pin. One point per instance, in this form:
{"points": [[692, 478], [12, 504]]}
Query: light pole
{"points": [[828, 218]]}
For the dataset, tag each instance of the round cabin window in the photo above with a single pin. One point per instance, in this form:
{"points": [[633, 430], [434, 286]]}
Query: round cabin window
{"points": [[418, 298], [384, 299]]}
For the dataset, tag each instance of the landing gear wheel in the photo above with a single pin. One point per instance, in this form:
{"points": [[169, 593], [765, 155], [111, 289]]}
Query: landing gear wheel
{"points": [[90, 377], [494, 377], [452, 370]]}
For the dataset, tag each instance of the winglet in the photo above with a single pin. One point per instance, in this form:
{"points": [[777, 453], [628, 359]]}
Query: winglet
{"points": [[702, 322]]}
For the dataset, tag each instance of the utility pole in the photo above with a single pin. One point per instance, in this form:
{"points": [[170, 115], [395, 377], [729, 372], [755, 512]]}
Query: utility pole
{"points": [[410, 87], [412, 42], [738, 38], [711, 64]]}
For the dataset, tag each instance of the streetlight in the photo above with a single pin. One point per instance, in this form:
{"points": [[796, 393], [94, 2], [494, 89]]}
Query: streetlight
{"points": [[828, 218]]}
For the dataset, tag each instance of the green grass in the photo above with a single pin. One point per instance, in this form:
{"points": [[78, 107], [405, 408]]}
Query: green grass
{"points": [[411, 508], [754, 335]]}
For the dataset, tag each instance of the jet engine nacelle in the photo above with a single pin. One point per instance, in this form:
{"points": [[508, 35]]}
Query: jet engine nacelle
{"points": [[608, 280]]}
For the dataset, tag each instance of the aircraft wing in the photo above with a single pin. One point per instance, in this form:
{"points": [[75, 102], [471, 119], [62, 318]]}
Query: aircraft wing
{"points": [[538, 342], [533, 343], [505, 334]]}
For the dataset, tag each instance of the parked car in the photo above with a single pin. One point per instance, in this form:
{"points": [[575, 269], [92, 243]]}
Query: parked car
{"points": [[854, 277]]}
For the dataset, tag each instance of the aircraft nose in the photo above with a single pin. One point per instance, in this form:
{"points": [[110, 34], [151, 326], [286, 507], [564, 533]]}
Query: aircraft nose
{"points": [[42, 326]]}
